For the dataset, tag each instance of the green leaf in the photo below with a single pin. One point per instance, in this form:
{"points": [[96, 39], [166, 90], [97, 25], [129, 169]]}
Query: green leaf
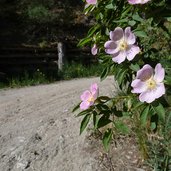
{"points": [[139, 33], [131, 23], [120, 77], [105, 73], [84, 123], [137, 17], [121, 21], [93, 30], [95, 119], [103, 121], [107, 138], [134, 67], [110, 6], [153, 125], [168, 80], [160, 112], [102, 107], [76, 107], [84, 41], [144, 115], [84, 112], [103, 98], [122, 127]]}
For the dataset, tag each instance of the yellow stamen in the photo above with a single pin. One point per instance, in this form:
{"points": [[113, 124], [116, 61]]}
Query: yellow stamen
{"points": [[151, 83], [123, 45], [91, 99]]}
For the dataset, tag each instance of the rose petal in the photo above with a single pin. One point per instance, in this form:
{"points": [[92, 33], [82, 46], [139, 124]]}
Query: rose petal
{"points": [[117, 34], [134, 1], [159, 91], [147, 96], [85, 96], [159, 73], [145, 73], [138, 86], [130, 37], [132, 52], [93, 2], [111, 47], [94, 49], [84, 105], [119, 57], [138, 1], [94, 90]]}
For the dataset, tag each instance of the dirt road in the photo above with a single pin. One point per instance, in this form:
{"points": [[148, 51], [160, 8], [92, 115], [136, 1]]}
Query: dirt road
{"points": [[38, 131]]}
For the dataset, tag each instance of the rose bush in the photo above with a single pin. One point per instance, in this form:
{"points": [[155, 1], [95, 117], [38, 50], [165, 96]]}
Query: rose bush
{"points": [[142, 35]]}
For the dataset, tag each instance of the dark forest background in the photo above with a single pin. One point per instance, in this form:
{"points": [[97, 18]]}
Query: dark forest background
{"points": [[41, 22]]}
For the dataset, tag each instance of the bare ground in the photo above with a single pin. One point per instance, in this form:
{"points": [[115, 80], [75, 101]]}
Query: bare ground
{"points": [[38, 132]]}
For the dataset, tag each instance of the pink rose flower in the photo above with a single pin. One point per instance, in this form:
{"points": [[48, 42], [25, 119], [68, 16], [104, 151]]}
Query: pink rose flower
{"points": [[92, 2], [94, 49], [89, 96], [137, 1], [122, 45], [149, 83]]}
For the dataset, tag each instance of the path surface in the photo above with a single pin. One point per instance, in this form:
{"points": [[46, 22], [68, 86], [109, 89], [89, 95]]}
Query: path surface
{"points": [[38, 131]]}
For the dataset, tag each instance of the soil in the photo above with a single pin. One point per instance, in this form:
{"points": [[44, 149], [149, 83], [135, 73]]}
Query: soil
{"points": [[38, 131]]}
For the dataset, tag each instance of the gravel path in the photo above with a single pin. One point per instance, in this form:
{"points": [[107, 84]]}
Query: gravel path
{"points": [[38, 131]]}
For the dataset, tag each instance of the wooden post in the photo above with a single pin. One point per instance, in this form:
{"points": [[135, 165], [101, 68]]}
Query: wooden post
{"points": [[61, 56]]}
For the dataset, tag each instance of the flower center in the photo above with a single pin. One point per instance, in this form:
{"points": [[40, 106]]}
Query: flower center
{"points": [[151, 83], [123, 45], [91, 99]]}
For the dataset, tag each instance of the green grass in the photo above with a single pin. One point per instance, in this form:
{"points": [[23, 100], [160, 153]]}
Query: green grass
{"points": [[70, 71], [75, 70]]}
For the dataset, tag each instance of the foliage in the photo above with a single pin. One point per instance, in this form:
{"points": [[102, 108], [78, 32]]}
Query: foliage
{"points": [[150, 22], [70, 71]]}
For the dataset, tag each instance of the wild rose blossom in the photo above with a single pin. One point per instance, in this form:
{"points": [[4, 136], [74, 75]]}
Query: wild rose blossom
{"points": [[89, 96], [138, 1], [122, 45], [94, 49], [149, 83], [91, 2]]}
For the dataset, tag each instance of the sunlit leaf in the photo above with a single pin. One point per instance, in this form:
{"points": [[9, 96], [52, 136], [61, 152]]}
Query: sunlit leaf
{"points": [[107, 138], [84, 123], [140, 33], [122, 127]]}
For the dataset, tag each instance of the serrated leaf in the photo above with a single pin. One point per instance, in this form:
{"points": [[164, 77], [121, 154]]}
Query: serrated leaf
{"points": [[84, 123], [144, 115], [107, 138]]}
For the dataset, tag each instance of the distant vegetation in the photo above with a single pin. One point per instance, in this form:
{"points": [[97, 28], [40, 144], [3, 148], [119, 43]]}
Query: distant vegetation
{"points": [[72, 70]]}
